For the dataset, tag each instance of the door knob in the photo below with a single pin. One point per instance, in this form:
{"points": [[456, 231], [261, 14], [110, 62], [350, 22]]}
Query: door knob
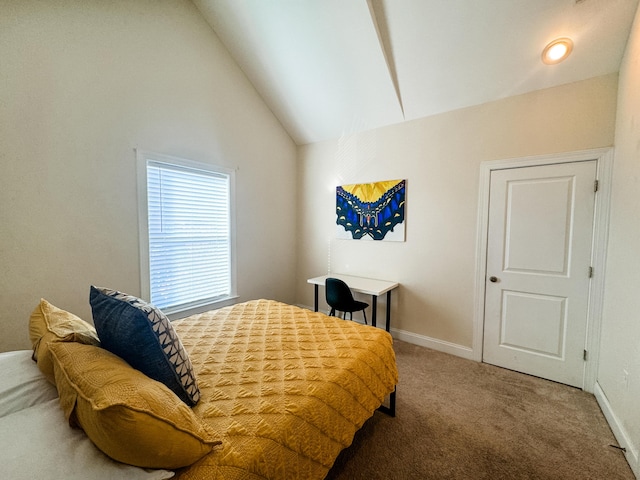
{"points": [[493, 279]]}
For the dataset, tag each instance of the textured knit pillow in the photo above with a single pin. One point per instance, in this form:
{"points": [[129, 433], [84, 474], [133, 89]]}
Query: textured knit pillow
{"points": [[50, 324], [143, 336], [130, 417]]}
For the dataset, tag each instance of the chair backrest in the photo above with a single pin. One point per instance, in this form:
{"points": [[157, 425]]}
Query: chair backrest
{"points": [[338, 294]]}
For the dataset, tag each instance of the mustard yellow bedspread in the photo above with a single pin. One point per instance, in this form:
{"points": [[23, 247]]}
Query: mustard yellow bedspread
{"points": [[286, 388]]}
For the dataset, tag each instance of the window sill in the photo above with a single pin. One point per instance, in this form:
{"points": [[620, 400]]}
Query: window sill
{"points": [[182, 312]]}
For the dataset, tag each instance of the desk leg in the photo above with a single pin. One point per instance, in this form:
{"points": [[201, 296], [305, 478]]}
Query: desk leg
{"points": [[315, 298], [388, 310], [374, 308]]}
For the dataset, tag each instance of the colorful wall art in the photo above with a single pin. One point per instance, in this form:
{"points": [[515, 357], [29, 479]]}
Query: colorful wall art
{"points": [[371, 210]]}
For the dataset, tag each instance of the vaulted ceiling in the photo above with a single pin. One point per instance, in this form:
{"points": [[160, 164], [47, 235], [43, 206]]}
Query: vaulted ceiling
{"points": [[329, 68]]}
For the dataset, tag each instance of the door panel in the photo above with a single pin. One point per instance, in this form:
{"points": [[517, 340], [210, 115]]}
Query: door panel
{"points": [[533, 323], [539, 254], [536, 208]]}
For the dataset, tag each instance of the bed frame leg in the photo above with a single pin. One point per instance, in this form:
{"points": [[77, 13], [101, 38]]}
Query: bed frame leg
{"points": [[391, 409]]}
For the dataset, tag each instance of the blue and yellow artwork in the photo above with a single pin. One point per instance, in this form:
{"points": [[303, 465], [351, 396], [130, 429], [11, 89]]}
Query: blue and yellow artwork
{"points": [[374, 210]]}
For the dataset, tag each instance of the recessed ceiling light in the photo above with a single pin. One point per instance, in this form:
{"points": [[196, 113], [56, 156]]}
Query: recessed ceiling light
{"points": [[557, 51]]}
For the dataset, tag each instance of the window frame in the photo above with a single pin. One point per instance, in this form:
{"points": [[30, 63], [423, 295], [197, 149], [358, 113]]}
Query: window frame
{"points": [[143, 158]]}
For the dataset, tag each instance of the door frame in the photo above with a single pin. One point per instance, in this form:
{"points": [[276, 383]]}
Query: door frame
{"points": [[604, 161]]}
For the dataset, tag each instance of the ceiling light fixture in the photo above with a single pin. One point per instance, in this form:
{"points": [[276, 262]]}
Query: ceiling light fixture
{"points": [[557, 51]]}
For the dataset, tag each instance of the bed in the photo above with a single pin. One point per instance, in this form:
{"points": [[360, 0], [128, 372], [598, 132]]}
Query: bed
{"points": [[281, 391]]}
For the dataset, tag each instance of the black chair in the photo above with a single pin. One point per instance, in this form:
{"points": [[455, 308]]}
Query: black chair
{"points": [[340, 299]]}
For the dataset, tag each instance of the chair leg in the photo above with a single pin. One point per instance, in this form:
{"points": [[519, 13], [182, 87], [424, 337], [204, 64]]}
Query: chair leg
{"points": [[364, 312], [332, 313]]}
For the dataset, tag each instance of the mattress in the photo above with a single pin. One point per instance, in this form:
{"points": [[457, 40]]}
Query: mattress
{"points": [[285, 387]]}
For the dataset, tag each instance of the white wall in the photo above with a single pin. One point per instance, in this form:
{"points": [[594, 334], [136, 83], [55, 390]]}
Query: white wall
{"points": [[440, 157], [620, 350], [83, 83]]}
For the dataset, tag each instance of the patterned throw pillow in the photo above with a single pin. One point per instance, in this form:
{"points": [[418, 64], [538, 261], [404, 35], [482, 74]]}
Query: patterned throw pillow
{"points": [[143, 336]]}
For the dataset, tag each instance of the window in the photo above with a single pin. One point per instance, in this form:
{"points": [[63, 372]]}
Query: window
{"points": [[186, 232]]}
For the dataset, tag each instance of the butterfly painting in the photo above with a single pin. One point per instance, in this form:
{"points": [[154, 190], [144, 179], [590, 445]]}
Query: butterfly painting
{"points": [[371, 210]]}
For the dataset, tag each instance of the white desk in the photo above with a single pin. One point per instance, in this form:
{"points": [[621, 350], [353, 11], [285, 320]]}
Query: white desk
{"points": [[368, 286]]}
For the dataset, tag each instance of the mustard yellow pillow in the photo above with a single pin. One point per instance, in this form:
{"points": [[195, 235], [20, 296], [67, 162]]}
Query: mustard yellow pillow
{"points": [[50, 324], [130, 417]]}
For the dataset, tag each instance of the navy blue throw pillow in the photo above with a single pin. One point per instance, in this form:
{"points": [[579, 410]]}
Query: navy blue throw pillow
{"points": [[143, 336]]}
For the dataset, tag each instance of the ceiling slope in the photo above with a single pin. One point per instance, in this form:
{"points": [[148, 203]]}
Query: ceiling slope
{"points": [[329, 68]]}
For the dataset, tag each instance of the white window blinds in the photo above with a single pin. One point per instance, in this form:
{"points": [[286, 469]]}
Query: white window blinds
{"points": [[190, 249]]}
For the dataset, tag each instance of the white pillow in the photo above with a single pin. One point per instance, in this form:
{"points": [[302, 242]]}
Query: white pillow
{"points": [[22, 384], [37, 442], [36, 439]]}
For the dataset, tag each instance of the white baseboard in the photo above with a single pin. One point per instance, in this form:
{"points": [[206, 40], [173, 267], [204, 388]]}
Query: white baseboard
{"points": [[433, 343], [618, 430]]}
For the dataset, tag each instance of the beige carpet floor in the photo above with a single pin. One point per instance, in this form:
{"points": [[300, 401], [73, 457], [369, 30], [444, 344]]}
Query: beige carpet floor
{"points": [[459, 419]]}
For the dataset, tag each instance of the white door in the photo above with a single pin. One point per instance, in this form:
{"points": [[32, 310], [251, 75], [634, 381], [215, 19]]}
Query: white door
{"points": [[538, 269]]}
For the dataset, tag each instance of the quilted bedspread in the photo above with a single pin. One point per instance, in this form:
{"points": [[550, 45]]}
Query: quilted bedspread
{"points": [[286, 388]]}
